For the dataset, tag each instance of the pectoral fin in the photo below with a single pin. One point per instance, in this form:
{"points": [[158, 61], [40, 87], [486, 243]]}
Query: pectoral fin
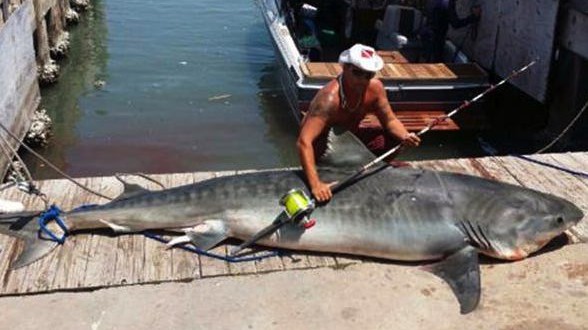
{"points": [[204, 236], [461, 271], [117, 228]]}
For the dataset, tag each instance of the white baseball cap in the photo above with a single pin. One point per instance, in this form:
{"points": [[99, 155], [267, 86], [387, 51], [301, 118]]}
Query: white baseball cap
{"points": [[363, 57]]}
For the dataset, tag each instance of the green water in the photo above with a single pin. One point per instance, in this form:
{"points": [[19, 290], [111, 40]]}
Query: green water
{"points": [[188, 86]]}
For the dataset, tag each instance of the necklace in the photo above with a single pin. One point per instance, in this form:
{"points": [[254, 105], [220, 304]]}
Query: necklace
{"points": [[343, 98]]}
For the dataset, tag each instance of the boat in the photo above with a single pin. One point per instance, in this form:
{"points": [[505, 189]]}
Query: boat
{"points": [[308, 38]]}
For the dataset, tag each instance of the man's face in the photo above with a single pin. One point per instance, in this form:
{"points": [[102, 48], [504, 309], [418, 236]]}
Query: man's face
{"points": [[358, 76]]}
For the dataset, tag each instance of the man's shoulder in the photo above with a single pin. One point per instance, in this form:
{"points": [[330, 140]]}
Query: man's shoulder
{"points": [[376, 86], [329, 94]]}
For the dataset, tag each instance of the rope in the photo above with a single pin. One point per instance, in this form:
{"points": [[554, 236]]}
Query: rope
{"points": [[564, 131], [490, 150], [29, 149], [19, 179], [557, 167]]}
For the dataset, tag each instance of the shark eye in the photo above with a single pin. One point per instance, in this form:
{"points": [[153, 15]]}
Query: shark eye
{"points": [[560, 220]]}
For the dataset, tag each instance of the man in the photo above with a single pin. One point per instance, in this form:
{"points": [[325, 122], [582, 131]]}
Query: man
{"points": [[344, 102], [441, 14]]}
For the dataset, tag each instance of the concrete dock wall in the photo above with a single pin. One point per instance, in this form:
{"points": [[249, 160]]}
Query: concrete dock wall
{"points": [[19, 90]]}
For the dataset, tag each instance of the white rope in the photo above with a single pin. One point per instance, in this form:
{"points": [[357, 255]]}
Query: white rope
{"points": [[542, 150]]}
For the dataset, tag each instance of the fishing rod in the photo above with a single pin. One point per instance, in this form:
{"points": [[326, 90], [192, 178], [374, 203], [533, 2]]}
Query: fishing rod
{"points": [[298, 206], [338, 186]]}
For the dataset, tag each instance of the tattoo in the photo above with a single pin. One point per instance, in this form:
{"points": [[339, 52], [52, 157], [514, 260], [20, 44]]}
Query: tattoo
{"points": [[320, 108]]}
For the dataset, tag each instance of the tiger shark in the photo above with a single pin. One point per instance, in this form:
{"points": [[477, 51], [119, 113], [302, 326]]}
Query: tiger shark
{"points": [[403, 214]]}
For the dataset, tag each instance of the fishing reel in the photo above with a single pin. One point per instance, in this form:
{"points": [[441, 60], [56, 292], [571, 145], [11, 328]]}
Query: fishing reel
{"points": [[298, 206]]}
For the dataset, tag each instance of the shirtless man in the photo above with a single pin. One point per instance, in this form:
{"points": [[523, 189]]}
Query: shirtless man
{"points": [[344, 102]]}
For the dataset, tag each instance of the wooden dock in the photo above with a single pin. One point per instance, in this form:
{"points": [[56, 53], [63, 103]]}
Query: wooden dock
{"points": [[87, 262]]}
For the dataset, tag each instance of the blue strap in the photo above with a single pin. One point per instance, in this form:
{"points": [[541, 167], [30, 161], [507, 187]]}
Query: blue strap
{"points": [[52, 214], [193, 249]]}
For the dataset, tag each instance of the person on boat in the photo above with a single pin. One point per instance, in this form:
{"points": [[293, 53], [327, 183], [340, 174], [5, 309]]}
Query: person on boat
{"points": [[440, 15], [344, 102]]}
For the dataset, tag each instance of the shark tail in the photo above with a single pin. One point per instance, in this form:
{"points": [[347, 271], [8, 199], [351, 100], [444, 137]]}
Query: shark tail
{"points": [[24, 226]]}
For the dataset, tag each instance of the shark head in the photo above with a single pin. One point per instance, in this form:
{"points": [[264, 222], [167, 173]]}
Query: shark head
{"points": [[524, 220]]}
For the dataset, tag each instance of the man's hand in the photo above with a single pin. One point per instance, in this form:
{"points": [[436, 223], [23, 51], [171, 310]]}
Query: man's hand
{"points": [[411, 140], [322, 192]]}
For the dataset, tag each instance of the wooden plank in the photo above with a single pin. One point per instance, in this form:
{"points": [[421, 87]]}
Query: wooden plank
{"points": [[417, 71], [75, 254], [102, 249], [344, 261], [392, 56], [130, 260], [100, 268], [292, 260], [269, 264], [318, 261], [576, 162], [8, 245], [391, 71], [15, 280], [414, 120], [157, 260], [61, 259]]}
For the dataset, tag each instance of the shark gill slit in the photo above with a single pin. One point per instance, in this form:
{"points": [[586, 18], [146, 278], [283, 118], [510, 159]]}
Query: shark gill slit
{"points": [[485, 238], [469, 231]]}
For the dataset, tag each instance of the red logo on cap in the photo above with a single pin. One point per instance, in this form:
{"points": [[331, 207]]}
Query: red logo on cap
{"points": [[365, 53]]}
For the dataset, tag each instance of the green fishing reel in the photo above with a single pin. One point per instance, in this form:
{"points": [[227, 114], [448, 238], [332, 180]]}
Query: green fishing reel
{"points": [[298, 207]]}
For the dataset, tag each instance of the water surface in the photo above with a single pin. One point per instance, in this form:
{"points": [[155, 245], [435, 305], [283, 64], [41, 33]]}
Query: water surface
{"points": [[178, 86]]}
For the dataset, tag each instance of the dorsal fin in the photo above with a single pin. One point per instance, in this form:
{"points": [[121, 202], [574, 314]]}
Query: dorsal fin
{"points": [[344, 150], [131, 189]]}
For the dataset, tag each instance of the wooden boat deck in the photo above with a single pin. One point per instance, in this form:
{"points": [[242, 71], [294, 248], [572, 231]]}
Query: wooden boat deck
{"points": [[91, 261], [404, 73]]}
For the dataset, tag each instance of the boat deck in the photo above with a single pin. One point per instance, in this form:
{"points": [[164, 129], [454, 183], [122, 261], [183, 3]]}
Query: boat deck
{"points": [[398, 70], [91, 261]]}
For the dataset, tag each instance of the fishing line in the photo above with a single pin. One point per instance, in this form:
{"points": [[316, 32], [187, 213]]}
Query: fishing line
{"points": [[564, 131], [489, 149], [48, 163]]}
